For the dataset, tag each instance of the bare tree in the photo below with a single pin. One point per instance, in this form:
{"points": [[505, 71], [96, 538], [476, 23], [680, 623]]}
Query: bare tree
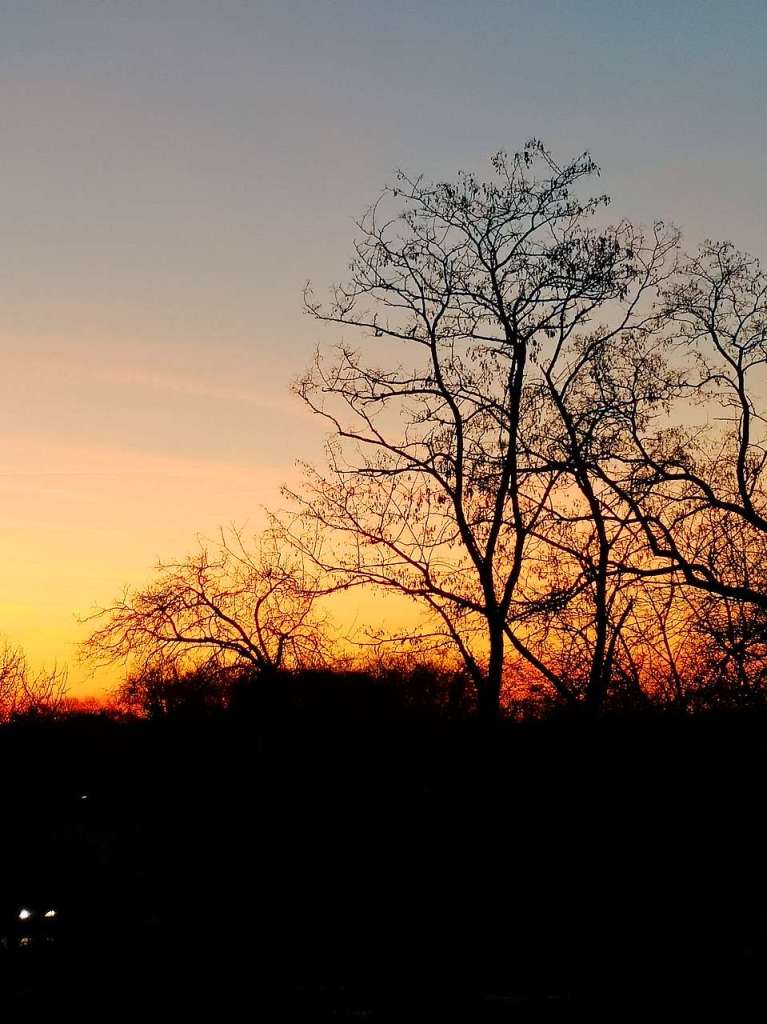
{"points": [[12, 671], [698, 479], [729, 635], [448, 470], [24, 691], [251, 606], [590, 531]]}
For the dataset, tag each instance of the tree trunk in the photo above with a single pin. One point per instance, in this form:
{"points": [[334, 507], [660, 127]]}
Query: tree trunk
{"points": [[488, 697], [599, 670]]}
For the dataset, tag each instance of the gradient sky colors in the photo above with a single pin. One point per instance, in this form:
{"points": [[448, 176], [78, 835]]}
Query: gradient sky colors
{"points": [[174, 170]]}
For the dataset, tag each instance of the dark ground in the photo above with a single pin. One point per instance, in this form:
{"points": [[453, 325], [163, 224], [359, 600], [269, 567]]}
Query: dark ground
{"points": [[386, 868]]}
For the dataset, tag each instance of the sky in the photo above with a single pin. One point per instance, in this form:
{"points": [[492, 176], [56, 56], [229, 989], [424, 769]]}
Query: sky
{"points": [[173, 171]]}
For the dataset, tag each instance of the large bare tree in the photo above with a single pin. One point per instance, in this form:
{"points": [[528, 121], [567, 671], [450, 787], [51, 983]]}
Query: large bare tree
{"points": [[458, 440]]}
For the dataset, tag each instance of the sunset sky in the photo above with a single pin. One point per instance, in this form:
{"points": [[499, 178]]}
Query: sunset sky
{"points": [[174, 170]]}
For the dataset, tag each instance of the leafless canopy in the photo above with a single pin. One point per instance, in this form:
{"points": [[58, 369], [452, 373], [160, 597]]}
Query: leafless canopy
{"points": [[250, 605], [696, 477], [24, 691], [463, 442]]}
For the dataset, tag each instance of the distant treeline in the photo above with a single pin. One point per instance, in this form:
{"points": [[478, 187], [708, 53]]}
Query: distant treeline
{"points": [[387, 693]]}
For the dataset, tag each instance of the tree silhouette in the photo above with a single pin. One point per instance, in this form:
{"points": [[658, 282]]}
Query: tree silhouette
{"points": [[454, 453], [692, 485], [26, 692], [255, 607]]}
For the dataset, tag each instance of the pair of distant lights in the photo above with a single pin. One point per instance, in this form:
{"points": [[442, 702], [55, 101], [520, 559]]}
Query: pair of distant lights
{"points": [[25, 914]]}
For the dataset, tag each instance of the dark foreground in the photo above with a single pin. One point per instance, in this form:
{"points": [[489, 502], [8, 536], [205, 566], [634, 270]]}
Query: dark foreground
{"points": [[366, 868]]}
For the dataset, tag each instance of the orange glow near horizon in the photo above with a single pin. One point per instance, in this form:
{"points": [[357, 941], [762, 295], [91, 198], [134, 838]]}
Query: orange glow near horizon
{"points": [[78, 524]]}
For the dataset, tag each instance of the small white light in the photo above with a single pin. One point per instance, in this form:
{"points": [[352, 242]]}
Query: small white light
{"points": [[24, 914], [49, 913], [83, 796]]}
